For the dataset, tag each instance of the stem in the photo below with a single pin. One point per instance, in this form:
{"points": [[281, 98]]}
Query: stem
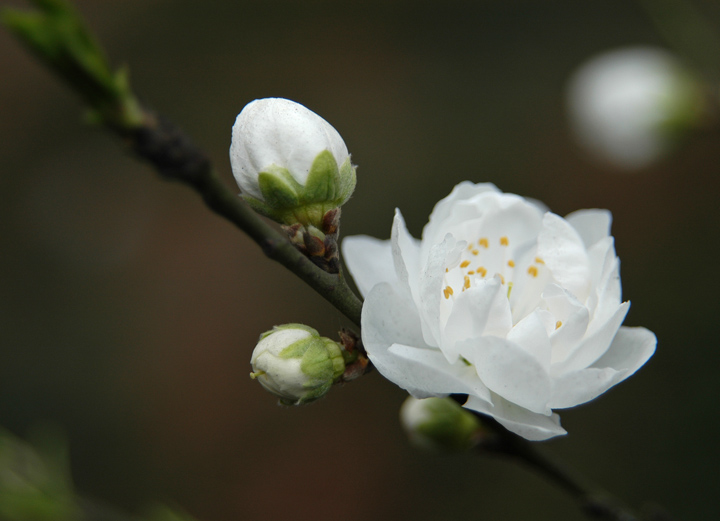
{"points": [[174, 156], [495, 439], [333, 288], [594, 503]]}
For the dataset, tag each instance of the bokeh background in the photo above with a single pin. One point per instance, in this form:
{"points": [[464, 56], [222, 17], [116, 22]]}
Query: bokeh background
{"points": [[128, 311]]}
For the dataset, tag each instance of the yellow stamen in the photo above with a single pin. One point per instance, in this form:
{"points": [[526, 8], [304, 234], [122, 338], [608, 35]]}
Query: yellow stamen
{"points": [[511, 263], [474, 252], [502, 279], [532, 270], [471, 272], [484, 242], [447, 292], [539, 260], [558, 324], [467, 283], [465, 264], [482, 271], [504, 241]]}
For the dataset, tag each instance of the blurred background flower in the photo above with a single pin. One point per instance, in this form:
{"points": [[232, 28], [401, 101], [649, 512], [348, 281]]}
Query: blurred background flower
{"points": [[128, 312], [631, 106]]}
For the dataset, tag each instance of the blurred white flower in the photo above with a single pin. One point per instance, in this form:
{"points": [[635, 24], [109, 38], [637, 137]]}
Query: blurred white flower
{"points": [[290, 163], [629, 106], [514, 306]]}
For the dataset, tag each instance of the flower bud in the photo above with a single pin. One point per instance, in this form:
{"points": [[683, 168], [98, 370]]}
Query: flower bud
{"points": [[290, 164], [630, 106], [439, 424], [296, 364]]}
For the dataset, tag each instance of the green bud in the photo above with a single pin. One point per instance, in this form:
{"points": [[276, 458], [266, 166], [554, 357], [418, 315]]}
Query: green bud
{"points": [[296, 364], [439, 424]]}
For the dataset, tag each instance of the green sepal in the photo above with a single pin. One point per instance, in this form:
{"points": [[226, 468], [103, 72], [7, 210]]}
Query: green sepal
{"points": [[298, 349], [317, 364], [323, 179], [260, 207], [313, 394], [348, 179], [278, 189]]}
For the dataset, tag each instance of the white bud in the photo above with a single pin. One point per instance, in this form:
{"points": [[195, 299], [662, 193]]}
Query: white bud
{"points": [[296, 364], [629, 106], [291, 164]]}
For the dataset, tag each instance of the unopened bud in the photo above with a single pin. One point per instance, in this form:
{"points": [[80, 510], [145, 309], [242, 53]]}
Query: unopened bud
{"points": [[296, 364], [439, 424], [290, 164]]}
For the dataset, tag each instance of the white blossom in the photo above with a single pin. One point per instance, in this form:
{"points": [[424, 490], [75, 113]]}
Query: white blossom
{"points": [[628, 106], [514, 306]]}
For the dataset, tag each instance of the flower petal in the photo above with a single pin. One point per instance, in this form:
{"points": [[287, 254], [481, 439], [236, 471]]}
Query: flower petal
{"points": [[581, 386], [369, 260], [279, 132], [430, 287], [630, 349], [389, 317], [531, 335], [563, 251], [591, 224], [594, 345], [434, 230], [481, 310], [529, 425], [427, 369], [506, 369], [572, 320], [405, 253]]}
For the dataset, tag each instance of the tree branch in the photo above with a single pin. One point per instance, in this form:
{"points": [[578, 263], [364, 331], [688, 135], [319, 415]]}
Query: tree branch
{"points": [[174, 156]]}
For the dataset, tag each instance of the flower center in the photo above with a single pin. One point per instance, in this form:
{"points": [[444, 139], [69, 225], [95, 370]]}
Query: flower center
{"points": [[517, 266]]}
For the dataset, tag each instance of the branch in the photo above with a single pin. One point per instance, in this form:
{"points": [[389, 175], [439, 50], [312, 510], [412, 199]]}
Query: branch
{"points": [[174, 156], [56, 34], [495, 439]]}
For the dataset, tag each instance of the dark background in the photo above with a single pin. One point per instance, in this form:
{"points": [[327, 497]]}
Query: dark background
{"points": [[128, 311]]}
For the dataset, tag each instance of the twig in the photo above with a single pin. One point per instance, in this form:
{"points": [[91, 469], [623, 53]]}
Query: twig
{"points": [[175, 157], [58, 36], [497, 440]]}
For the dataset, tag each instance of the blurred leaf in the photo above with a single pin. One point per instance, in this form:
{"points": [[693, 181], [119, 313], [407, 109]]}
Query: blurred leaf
{"points": [[33, 487], [58, 36]]}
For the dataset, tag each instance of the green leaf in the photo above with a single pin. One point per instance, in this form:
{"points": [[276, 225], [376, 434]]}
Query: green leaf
{"points": [[58, 36]]}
